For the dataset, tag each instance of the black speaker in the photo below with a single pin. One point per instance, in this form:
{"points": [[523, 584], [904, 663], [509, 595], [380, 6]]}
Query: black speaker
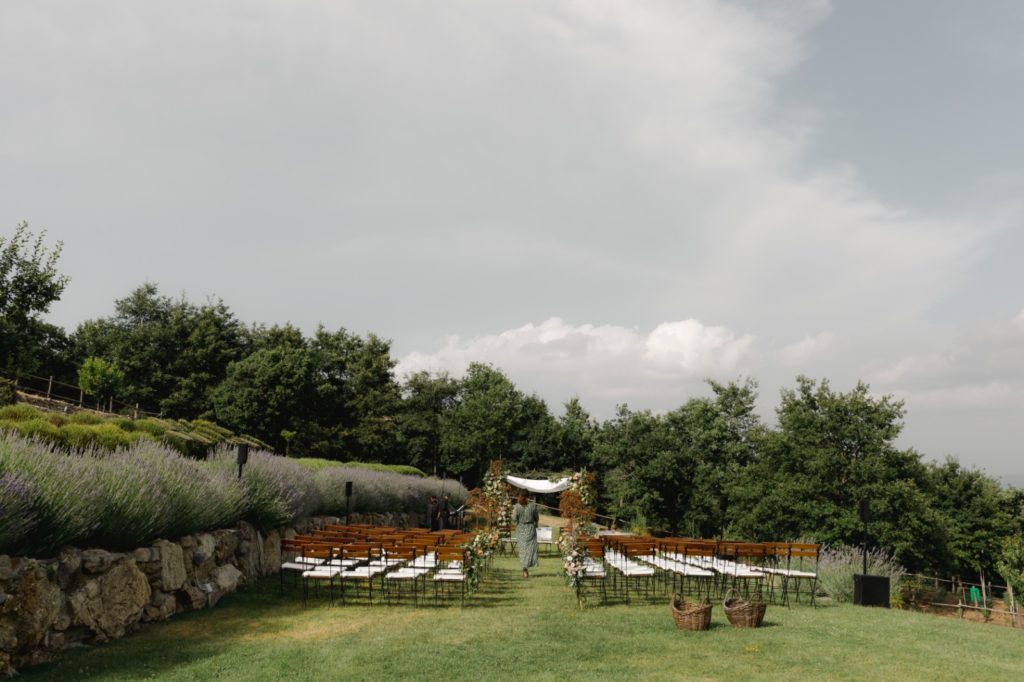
{"points": [[243, 453], [348, 488], [871, 590]]}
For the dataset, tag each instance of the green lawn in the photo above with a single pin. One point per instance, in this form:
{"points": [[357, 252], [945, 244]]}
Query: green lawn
{"points": [[532, 630]]}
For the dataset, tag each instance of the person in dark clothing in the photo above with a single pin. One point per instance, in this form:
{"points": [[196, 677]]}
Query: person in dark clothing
{"points": [[443, 511], [432, 509]]}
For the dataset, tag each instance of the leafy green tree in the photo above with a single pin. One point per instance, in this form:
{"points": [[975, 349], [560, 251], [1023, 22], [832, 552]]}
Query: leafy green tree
{"points": [[100, 378], [645, 469], [267, 393], [1010, 564], [29, 284], [573, 437], [832, 451], [173, 353], [974, 517], [426, 402], [493, 420]]}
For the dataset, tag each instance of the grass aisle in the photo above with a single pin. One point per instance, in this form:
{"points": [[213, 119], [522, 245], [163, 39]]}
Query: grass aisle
{"points": [[516, 629]]}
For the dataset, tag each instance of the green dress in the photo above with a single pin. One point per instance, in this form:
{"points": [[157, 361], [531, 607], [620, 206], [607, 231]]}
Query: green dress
{"points": [[526, 533]]}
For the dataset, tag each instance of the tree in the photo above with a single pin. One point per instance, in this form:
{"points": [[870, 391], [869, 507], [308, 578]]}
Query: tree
{"points": [[267, 393], [493, 420], [100, 378], [573, 437], [173, 353], [426, 402], [29, 284]]}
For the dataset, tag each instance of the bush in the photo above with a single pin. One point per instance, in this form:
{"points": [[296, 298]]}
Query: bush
{"points": [[8, 393], [135, 506], [838, 564], [85, 418], [380, 491], [19, 412], [198, 497], [316, 464], [17, 519], [67, 501], [153, 427], [38, 428], [277, 490]]}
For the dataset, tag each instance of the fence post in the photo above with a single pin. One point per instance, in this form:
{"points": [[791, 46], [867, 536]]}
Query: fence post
{"points": [[81, 396], [136, 415], [110, 405], [49, 388]]}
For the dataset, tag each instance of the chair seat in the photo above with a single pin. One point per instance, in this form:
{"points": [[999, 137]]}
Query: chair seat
{"points": [[322, 573], [360, 573], [455, 577]]}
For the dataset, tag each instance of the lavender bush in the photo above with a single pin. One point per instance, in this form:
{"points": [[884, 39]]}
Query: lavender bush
{"points": [[17, 519], [838, 563], [135, 505], [198, 496], [380, 491], [277, 490], [67, 502]]}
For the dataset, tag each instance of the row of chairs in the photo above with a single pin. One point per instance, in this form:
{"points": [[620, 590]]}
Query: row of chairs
{"points": [[637, 564], [388, 562]]}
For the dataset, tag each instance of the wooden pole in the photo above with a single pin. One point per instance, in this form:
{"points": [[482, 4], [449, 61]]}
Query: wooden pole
{"points": [[81, 396], [49, 388], [136, 411], [1013, 605]]}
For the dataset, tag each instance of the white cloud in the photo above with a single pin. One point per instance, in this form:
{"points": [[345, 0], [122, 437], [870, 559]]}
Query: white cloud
{"points": [[609, 360], [689, 348], [807, 349]]}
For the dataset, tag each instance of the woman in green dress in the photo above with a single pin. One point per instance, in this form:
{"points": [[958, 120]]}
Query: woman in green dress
{"points": [[525, 515]]}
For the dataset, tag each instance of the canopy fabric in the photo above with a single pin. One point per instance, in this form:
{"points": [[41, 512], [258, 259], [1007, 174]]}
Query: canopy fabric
{"points": [[539, 485]]}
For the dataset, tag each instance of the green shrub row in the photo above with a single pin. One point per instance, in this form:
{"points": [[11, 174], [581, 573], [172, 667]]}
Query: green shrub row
{"points": [[82, 430], [315, 464]]}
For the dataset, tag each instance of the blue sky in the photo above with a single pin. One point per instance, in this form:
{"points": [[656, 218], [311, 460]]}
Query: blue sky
{"points": [[614, 200]]}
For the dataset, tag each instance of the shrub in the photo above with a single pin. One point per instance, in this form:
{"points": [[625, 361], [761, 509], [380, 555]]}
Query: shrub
{"points": [[85, 418], [8, 393], [135, 506], [17, 519], [838, 564], [153, 427], [199, 497], [19, 412], [38, 428], [277, 490], [67, 500], [379, 491], [56, 418]]}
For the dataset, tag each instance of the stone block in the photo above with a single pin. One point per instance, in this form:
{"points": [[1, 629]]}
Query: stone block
{"points": [[35, 605], [227, 543], [161, 607], [96, 561], [191, 598], [172, 566], [111, 604]]}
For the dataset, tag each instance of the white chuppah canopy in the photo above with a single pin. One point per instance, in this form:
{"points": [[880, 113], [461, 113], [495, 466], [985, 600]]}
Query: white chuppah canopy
{"points": [[539, 485]]}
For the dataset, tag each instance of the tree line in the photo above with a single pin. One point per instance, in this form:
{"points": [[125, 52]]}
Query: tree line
{"points": [[709, 468]]}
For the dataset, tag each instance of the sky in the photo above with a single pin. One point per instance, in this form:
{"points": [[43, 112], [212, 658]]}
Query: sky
{"points": [[615, 200]]}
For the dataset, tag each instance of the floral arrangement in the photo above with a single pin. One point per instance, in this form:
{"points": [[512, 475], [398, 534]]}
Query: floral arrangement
{"points": [[479, 550], [582, 483], [574, 557], [498, 498]]}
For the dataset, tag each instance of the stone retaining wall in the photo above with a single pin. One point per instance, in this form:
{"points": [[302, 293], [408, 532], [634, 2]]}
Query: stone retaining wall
{"points": [[92, 595]]}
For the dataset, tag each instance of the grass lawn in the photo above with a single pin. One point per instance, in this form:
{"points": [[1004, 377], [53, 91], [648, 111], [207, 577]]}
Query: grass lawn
{"points": [[532, 630]]}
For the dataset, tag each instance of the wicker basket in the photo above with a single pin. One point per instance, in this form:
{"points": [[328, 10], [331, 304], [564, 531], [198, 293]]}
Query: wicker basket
{"points": [[743, 613], [690, 615]]}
